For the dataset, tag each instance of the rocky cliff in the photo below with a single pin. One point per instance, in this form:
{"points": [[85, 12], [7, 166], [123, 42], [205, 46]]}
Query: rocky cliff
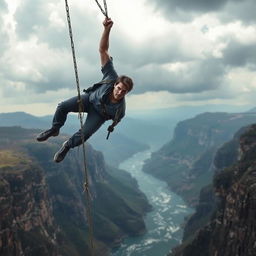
{"points": [[186, 163], [43, 208], [230, 230], [27, 225]]}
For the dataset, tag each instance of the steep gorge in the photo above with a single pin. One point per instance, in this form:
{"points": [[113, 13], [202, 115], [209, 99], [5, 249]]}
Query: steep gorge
{"points": [[231, 228], [186, 162], [43, 204]]}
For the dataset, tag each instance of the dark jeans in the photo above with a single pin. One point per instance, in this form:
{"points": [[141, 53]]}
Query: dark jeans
{"points": [[92, 123]]}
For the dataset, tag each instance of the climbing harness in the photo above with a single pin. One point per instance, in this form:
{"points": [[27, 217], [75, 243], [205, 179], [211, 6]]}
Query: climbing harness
{"points": [[115, 122], [97, 85], [81, 108], [116, 119]]}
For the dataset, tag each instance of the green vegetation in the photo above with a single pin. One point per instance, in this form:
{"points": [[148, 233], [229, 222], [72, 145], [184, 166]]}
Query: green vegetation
{"points": [[117, 211], [11, 158]]}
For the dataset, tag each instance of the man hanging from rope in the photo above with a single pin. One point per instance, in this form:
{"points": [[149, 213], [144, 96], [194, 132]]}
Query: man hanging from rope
{"points": [[103, 101]]}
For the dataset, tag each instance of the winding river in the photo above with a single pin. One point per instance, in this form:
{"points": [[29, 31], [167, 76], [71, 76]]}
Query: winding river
{"points": [[163, 223]]}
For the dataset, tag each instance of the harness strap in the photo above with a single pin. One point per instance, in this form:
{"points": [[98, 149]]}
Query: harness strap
{"points": [[115, 122], [104, 110], [97, 85]]}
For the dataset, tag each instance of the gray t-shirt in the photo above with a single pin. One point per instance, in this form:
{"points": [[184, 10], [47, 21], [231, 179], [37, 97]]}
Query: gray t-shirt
{"points": [[108, 71], [101, 95]]}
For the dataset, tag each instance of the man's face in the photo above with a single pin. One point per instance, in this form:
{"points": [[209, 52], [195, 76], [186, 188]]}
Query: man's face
{"points": [[120, 90]]}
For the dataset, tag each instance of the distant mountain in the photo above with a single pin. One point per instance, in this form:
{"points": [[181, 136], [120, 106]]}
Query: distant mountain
{"points": [[186, 162], [176, 114], [22, 119], [119, 147], [167, 118], [226, 225], [43, 206]]}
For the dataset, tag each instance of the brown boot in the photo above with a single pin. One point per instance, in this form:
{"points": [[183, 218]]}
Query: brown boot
{"points": [[60, 155], [48, 133]]}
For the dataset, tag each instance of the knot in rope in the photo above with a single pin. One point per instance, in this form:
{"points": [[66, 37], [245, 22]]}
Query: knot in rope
{"points": [[86, 186]]}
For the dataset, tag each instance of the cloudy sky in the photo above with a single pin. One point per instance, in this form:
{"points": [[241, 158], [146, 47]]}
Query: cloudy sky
{"points": [[179, 52]]}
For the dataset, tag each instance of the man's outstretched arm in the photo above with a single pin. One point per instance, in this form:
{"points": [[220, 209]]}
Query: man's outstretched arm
{"points": [[104, 41]]}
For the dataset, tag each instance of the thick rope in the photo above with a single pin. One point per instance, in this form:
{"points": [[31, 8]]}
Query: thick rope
{"points": [[81, 108], [105, 11]]}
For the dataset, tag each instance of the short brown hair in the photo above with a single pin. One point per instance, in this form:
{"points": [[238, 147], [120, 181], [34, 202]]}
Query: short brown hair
{"points": [[126, 80]]}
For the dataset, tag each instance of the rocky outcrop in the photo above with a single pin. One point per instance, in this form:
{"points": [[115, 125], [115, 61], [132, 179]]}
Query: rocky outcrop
{"points": [[186, 163], [231, 230], [227, 155], [43, 206], [26, 217]]}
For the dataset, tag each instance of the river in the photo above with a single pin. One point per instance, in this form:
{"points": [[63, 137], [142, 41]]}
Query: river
{"points": [[163, 223]]}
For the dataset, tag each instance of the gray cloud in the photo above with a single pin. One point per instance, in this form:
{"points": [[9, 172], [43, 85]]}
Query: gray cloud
{"points": [[200, 76], [86, 32], [3, 35], [30, 16], [206, 96], [3, 7], [227, 10], [146, 65], [146, 62], [160, 51], [55, 77], [239, 10], [192, 5], [33, 18], [4, 41], [238, 55], [185, 10]]}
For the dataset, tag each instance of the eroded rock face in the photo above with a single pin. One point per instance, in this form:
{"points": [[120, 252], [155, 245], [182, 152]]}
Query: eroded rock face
{"points": [[232, 229], [25, 212]]}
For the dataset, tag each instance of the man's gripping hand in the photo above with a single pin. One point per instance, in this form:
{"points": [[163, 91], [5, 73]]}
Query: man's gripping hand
{"points": [[108, 23]]}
